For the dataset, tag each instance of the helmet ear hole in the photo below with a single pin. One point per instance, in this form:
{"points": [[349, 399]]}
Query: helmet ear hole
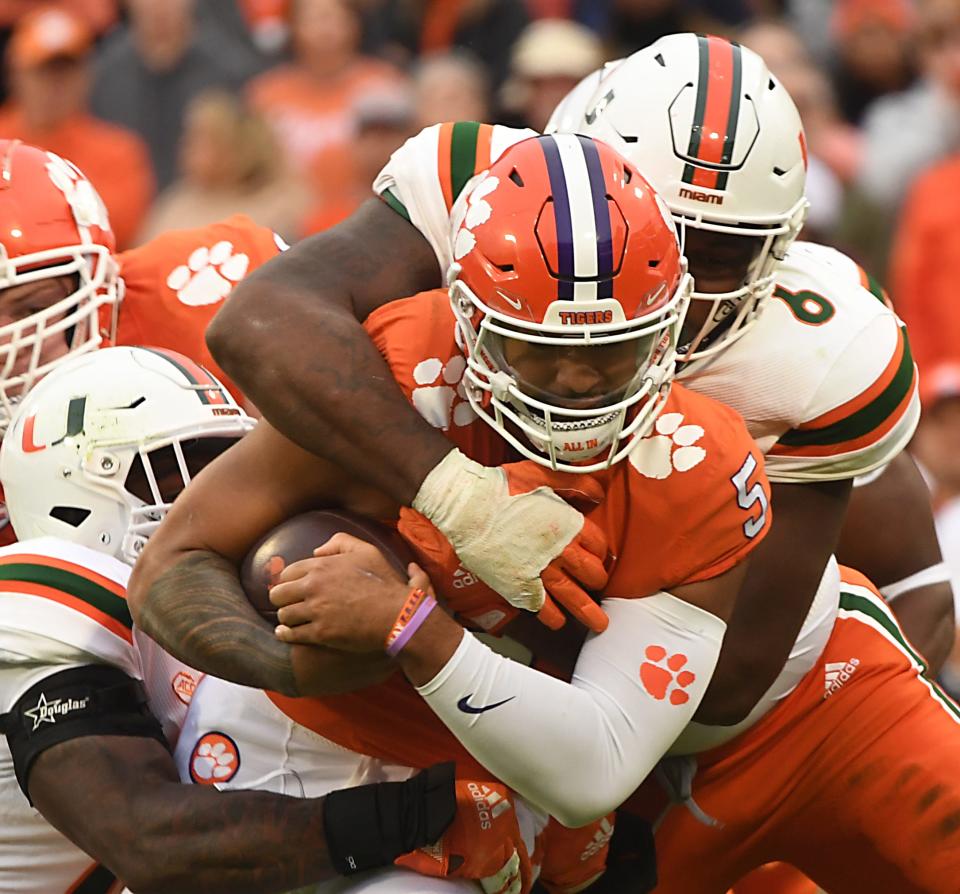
{"points": [[71, 515]]}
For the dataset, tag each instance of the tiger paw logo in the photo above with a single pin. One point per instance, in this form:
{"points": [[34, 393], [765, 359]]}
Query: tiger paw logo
{"points": [[664, 677], [215, 759], [209, 274], [85, 202], [441, 396], [670, 447], [472, 212]]}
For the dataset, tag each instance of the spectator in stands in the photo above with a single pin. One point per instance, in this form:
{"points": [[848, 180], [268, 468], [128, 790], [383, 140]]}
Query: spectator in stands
{"points": [[229, 164], [49, 61], [549, 59], [310, 102], [150, 69], [872, 44], [381, 124], [906, 132], [924, 266], [405, 29], [634, 24], [99, 16], [450, 86]]}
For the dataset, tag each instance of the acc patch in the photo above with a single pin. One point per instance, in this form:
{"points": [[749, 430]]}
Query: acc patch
{"points": [[184, 685], [214, 759]]}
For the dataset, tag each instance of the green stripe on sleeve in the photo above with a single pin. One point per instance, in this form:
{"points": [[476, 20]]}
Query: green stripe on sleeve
{"points": [[73, 585], [398, 206], [463, 155], [875, 288], [866, 419]]}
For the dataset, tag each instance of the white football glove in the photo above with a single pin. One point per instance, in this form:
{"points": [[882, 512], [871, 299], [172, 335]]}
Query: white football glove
{"points": [[510, 527]]}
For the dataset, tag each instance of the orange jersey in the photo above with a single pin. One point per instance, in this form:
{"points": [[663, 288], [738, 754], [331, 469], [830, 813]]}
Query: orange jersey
{"points": [[175, 284], [689, 503]]}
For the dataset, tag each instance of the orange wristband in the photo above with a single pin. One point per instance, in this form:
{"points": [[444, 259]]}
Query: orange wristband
{"points": [[412, 614]]}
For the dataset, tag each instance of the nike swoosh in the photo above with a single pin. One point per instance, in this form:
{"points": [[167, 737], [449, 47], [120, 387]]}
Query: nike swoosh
{"points": [[515, 303], [465, 706]]}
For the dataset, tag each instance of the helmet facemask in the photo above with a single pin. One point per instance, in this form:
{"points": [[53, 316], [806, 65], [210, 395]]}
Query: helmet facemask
{"points": [[26, 345], [731, 314], [567, 432]]}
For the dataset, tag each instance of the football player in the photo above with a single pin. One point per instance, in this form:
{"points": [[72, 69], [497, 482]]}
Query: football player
{"points": [[64, 291], [583, 381], [89, 792], [553, 402], [838, 364]]}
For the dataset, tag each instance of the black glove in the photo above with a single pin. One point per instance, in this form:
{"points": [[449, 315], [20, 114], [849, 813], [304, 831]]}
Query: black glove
{"points": [[369, 826]]}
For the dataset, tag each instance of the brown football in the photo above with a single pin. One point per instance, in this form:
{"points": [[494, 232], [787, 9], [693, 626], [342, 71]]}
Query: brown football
{"points": [[298, 537]]}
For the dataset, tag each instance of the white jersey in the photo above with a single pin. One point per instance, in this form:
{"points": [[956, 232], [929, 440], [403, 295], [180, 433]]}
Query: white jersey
{"points": [[825, 380], [62, 606]]}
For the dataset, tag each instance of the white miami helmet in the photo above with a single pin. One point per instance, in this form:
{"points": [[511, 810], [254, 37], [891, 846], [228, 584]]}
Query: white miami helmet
{"points": [[99, 449], [568, 115], [55, 237], [721, 141]]}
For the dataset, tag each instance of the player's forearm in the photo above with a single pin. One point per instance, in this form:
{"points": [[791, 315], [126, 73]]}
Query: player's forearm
{"points": [[196, 839], [197, 610], [927, 617], [774, 599], [119, 799], [291, 337]]}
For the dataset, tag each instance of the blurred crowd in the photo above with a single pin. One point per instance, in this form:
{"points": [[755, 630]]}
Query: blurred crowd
{"points": [[184, 111]]}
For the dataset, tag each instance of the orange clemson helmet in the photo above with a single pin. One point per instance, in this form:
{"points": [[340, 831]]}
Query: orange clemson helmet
{"points": [[54, 231], [569, 289]]}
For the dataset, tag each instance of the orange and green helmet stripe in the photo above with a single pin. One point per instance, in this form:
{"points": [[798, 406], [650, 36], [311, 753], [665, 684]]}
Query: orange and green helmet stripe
{"points": [[716, 113]]}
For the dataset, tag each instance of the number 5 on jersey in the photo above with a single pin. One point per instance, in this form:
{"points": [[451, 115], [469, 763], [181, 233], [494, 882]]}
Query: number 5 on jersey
{"points": [[749, 495]]}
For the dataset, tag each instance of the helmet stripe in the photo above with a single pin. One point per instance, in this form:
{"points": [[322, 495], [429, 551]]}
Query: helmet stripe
{"points": [[195, 374], [582, 217], [716, 112], [561, 211], [601, 216]]}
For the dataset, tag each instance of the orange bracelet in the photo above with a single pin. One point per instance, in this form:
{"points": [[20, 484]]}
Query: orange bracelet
{"points": [[413, 613]]}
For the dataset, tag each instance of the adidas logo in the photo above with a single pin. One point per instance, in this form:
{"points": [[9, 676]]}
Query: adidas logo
{"points": [[489, 803], [434, 851], [463, 578], [838, 672], [600, 840]]}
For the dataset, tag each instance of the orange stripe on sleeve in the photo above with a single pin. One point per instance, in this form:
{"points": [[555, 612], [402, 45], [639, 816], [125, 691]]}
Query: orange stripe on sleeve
{"points": [[443, 163], [72, 602], [857, 443], [864, 397], [62, 565], [484, 137]]}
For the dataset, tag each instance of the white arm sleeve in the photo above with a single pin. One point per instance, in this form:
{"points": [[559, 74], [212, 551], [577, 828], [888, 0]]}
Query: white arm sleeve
{"points": [[578, 750]]}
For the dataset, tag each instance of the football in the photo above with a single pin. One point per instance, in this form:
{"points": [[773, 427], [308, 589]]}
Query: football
{"points": [[298, 537]]}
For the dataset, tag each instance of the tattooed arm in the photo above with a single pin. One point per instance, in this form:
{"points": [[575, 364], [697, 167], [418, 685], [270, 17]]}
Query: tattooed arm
{"points": [[290, 337], [119, 799], [185, 591]]}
